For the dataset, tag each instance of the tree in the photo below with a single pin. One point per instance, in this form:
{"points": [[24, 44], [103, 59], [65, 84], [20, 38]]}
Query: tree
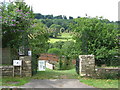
{"points": [[49, 16], [69, 53], [58, 44], [54, 30], [64, 17], [38, 37], [96, 36], [55, 51], [68, 49], [70, 17], [58, 17], [16, 17], [47, 22], [39, 16]]}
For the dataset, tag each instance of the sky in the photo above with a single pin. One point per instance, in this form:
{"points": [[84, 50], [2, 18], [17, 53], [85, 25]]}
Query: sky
{"points": [[106, 8]]}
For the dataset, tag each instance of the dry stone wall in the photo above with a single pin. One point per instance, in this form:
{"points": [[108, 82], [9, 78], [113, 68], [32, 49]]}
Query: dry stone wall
{"points": [[6, 70], [26, 68], [87, 68], [106, 73]]}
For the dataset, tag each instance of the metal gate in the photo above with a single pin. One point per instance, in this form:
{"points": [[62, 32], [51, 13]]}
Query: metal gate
{"points": [[77, 65]]}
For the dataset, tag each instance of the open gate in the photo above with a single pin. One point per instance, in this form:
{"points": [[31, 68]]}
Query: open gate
{"points": [[77, 65]]}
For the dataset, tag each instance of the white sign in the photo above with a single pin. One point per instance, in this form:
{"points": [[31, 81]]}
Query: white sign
{"points": [[41, 65], [29, 53], [17, 62]]}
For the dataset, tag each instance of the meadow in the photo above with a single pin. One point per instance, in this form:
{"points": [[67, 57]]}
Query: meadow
{"points": [[63, 37]]}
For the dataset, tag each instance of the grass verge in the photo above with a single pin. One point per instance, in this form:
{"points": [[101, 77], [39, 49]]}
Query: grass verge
{"points": [[100, 83], [14, 81]]}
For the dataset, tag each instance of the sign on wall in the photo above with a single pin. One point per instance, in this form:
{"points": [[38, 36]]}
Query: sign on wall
{"points": [[17, 62], [29, 53]]}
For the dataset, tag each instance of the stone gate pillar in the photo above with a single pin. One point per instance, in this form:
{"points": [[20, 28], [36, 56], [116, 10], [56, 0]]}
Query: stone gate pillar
{"points": [[26, 65], [86, 65]]}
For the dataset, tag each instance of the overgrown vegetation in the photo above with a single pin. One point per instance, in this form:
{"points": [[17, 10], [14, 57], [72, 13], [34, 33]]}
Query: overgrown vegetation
{"points": [[97, 36], [17, 18]]}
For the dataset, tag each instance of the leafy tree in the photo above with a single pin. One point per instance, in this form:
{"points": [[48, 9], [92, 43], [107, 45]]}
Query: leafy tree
{"points": [[69, 53], [47, 22], [68, 49], [58, 44], [96, 36], [38, 37], [39, 16], [64, 17], [58, 17], [49, 16], [54, 30], [70, 17], [56, 51], [16, 17]]}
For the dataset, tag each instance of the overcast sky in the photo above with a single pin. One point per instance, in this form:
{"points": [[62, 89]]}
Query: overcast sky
{"points": [[106, 8]]}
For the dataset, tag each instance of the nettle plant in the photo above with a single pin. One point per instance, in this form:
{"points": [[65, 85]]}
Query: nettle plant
{"points": [[17, 18]]}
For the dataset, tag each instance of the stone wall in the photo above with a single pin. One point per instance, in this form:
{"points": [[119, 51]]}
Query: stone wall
{"points": [[86, 65], [114, 70], [6, 70], [87, 68], [107, 73], [26, 68]]}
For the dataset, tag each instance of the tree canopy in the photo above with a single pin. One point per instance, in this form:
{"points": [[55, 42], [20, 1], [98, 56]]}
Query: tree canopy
{"points": [[96, 36], [16, 17]]}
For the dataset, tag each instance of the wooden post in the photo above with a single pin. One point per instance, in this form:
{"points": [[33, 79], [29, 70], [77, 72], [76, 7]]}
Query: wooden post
{"points": [[13, 71], [20, 71]]}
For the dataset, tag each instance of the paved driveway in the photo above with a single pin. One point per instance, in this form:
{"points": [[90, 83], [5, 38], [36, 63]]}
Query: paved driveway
{"points": [[53, 83], [56, 83]]}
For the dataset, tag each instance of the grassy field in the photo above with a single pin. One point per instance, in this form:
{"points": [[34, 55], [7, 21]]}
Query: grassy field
{"points": [[63, 37], [61, 74]]}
